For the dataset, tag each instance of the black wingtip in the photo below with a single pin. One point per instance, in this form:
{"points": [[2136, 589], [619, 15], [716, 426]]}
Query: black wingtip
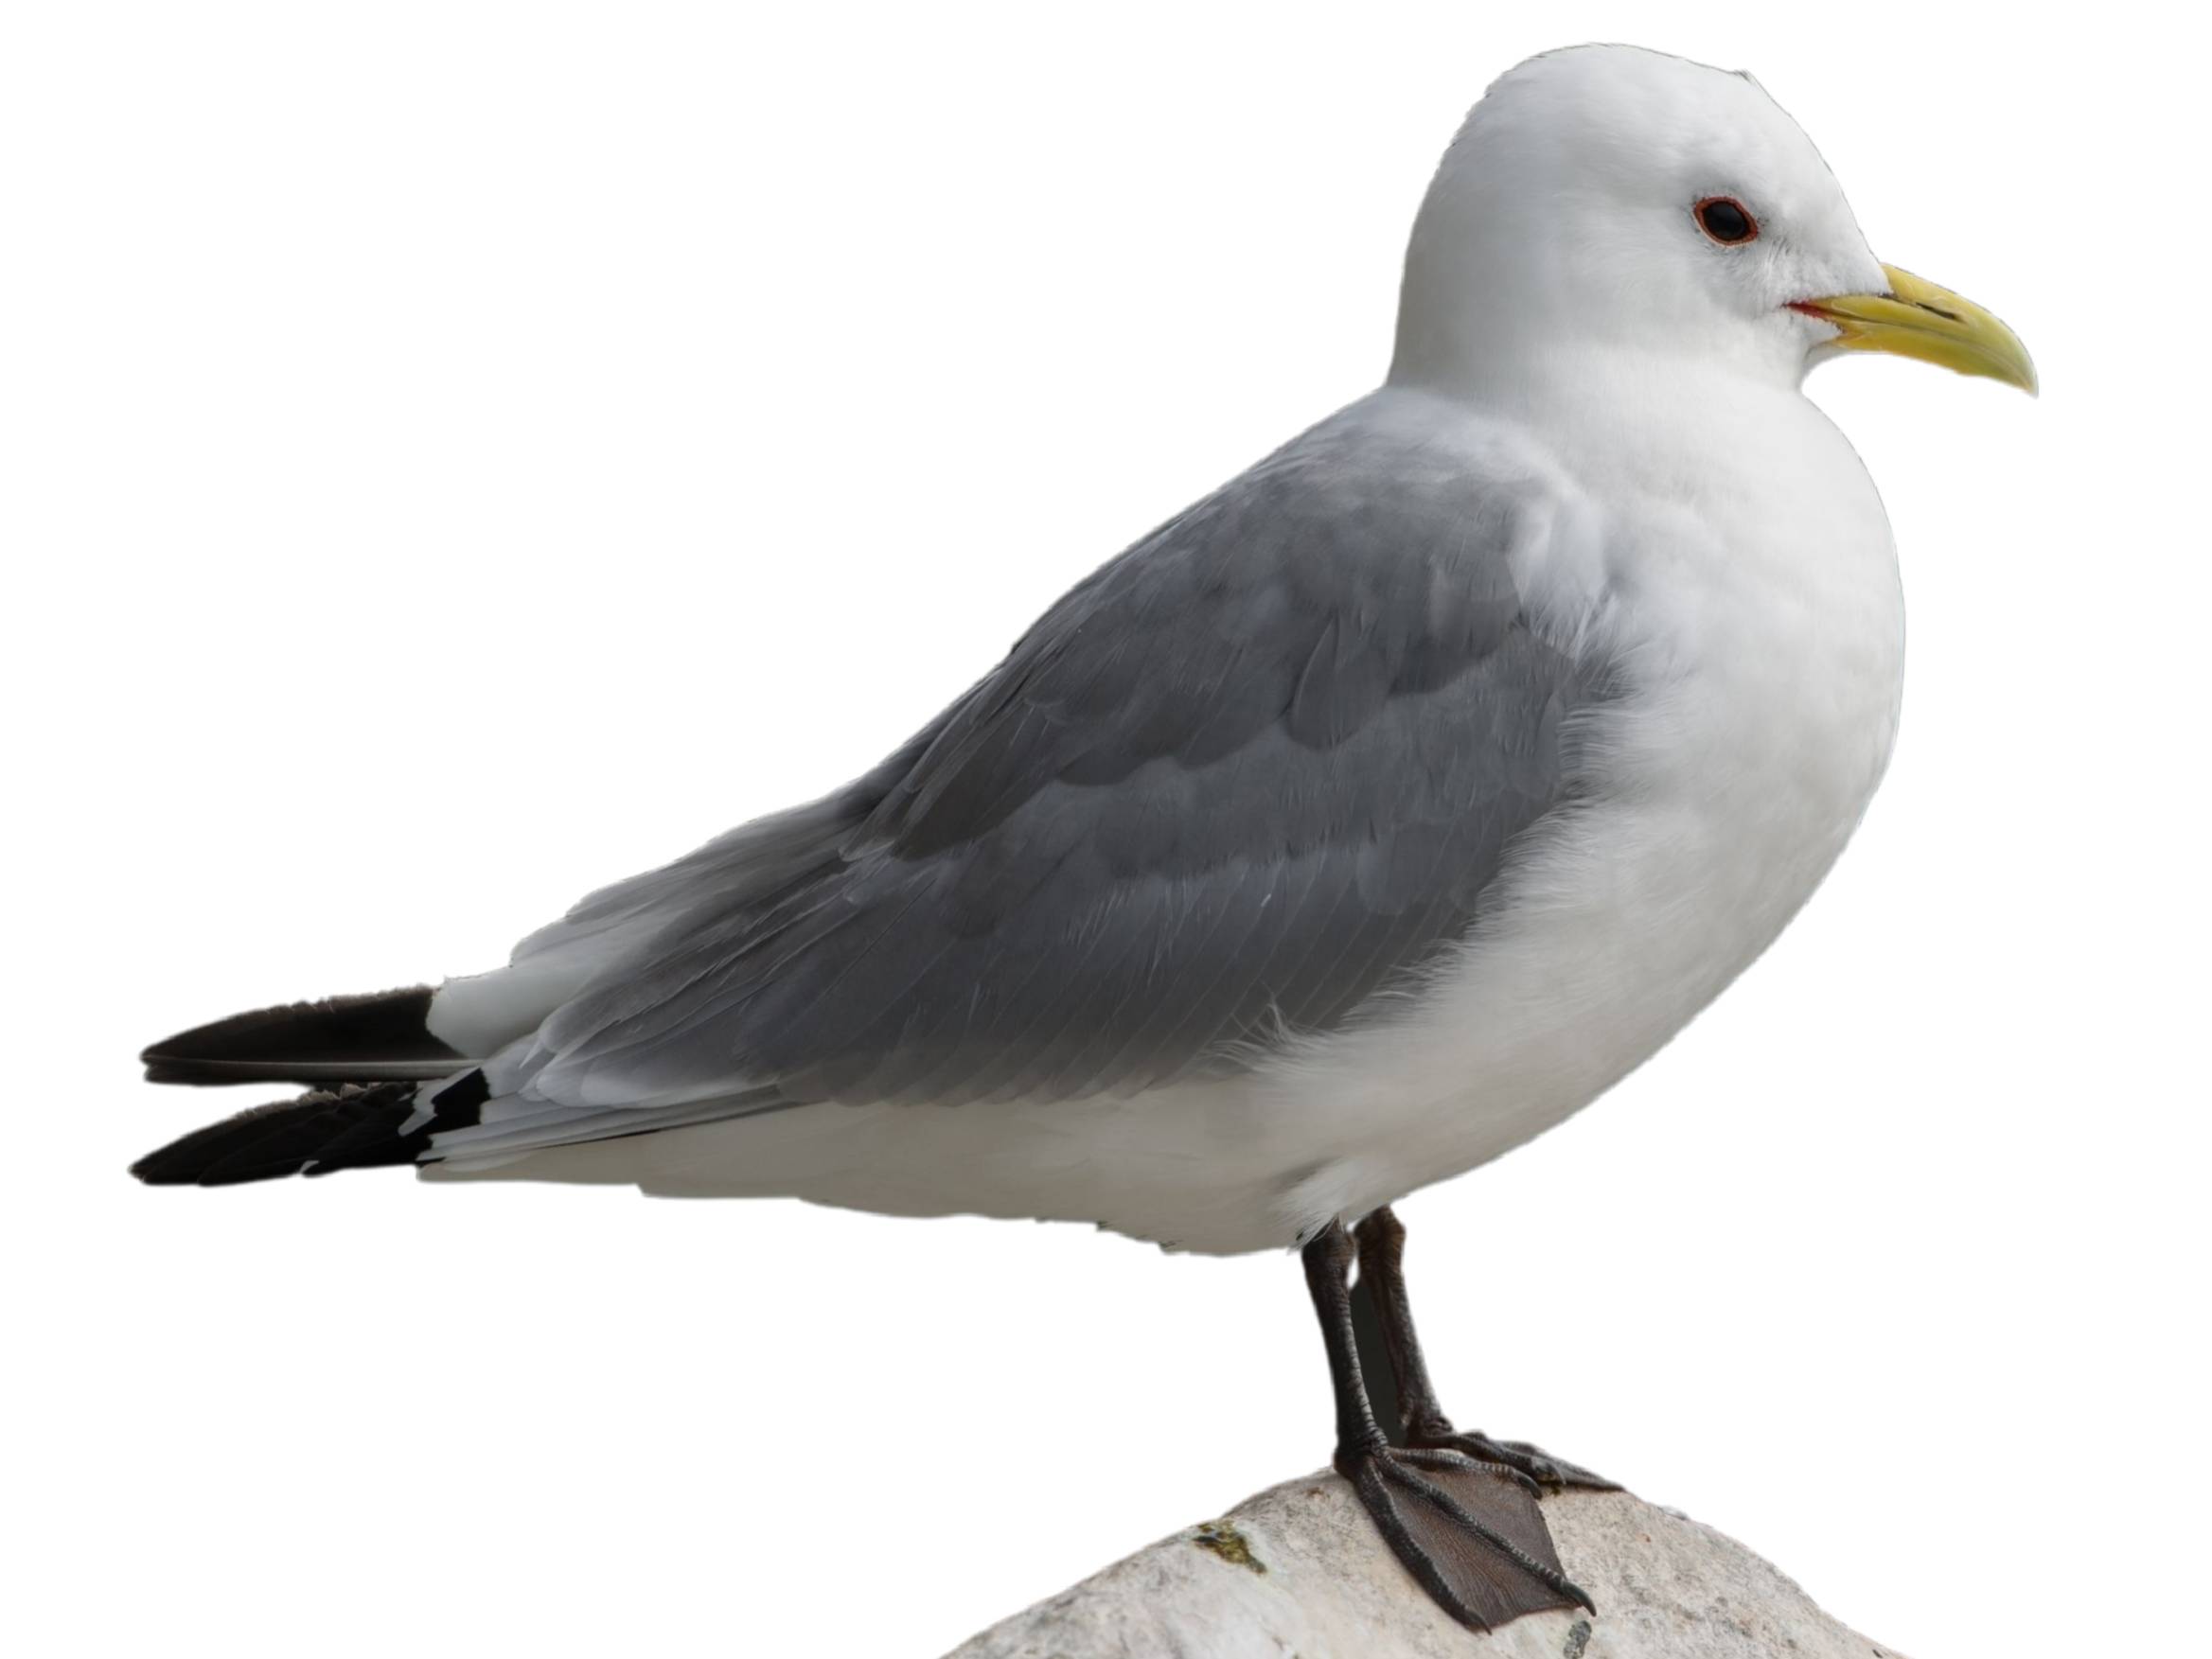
{"points": [[381, 1037], [195, 1159], [324, 1131]]}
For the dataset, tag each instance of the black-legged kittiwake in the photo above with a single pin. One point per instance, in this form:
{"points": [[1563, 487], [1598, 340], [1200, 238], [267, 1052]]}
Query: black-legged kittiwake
{"points": [[1359, 824]]}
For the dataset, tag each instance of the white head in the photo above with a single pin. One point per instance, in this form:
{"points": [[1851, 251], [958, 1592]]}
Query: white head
{"points": [[1614, 197]]}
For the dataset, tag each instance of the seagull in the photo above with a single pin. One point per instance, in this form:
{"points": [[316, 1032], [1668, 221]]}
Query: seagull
{"points": [[1362, 821]]}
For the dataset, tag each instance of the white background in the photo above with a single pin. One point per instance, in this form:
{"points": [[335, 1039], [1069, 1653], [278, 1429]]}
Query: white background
{"points": [[456, 454]]}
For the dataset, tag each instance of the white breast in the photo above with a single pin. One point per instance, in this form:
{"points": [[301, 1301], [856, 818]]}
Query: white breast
{"points": [[1762, 629]]}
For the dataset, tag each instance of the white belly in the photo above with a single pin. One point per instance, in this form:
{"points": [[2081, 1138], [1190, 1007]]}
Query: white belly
{"points": [[1765, 672]]}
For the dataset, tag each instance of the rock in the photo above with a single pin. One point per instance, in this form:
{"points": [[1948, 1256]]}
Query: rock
{"points": [[1296, 1571]]}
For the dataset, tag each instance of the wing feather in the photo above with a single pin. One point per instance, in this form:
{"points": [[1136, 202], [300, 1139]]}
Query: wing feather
{"points": [[1257, 770]]}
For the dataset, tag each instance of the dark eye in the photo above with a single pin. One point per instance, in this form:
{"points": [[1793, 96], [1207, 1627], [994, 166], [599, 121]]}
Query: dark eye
{"points": [[1727, 221]]}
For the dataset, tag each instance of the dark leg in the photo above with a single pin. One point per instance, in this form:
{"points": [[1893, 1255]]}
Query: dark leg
{"points": [[1470, 1535], [1382, 1248]]}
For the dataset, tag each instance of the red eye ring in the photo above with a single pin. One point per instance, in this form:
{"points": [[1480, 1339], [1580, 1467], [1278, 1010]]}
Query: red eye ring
{"points": [[1727, 221]]}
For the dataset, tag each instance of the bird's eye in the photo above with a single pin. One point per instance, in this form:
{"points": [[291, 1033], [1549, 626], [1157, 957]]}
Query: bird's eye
{"points": [[1727, 221]]}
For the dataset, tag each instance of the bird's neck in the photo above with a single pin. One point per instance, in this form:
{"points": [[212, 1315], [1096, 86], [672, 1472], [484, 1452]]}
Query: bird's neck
{"points": [[1527, 372], [1652, 414]]}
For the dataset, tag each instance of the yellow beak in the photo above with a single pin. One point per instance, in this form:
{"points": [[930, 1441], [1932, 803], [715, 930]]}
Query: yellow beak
{"points": [[1918, 318]]}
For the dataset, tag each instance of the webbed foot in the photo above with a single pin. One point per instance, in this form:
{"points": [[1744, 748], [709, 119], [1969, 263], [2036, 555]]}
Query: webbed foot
{"points": [[1469, 1531]]}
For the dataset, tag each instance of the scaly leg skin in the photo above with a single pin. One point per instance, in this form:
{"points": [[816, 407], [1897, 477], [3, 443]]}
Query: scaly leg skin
{"points": [[1382, 1248], [1469, 1533]]}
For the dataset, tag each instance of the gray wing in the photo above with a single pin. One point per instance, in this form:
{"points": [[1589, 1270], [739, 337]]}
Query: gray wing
{"points": [[1241, 779]]}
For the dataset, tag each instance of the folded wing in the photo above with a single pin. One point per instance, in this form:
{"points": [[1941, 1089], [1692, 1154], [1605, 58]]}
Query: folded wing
{"points": [[1259, 769]]}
